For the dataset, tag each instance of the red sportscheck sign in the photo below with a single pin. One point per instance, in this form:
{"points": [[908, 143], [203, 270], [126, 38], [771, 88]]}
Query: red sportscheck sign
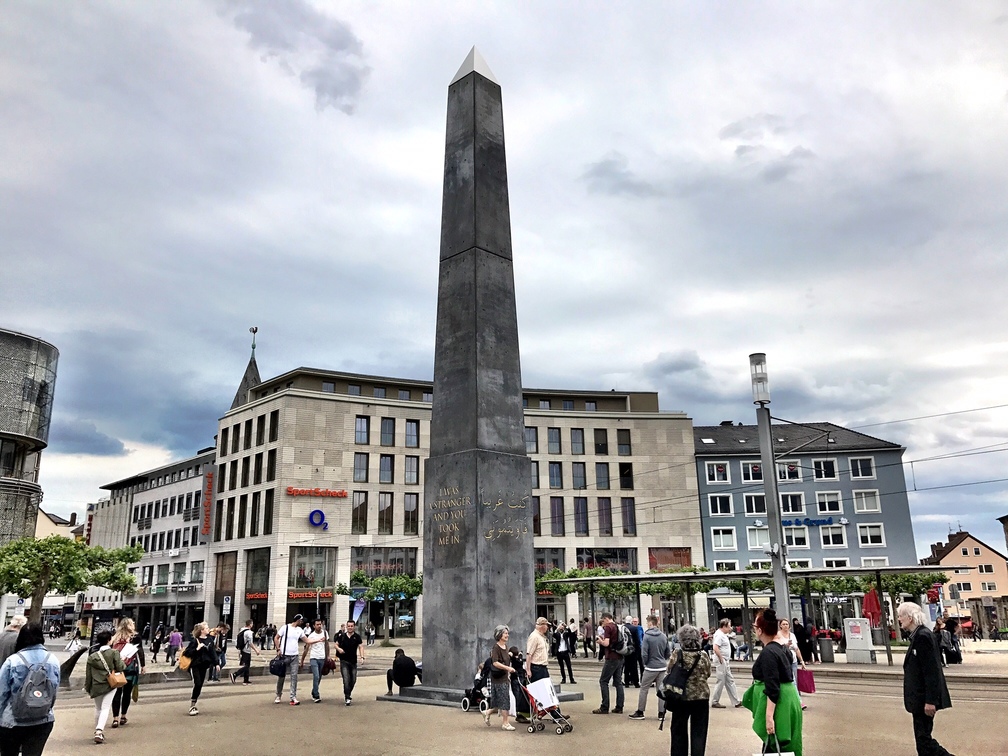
{"points": [[207, 501]]}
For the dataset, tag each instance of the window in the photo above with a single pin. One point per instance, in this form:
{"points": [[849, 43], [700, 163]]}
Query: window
{"points": [[544, 404], [792, 504], [601, 441], [760, 564], [353, 389], [267, 528], [531, 440], [379, 392], [388, 431], [536, 517], [976, 551], [577, 441], [360, 467], [245, 472], [358, 515], [218, 520], [834, 563], [404, 395], [246, 436], [274, 425], [311, 567], [752, 472], [871, 534], [362, 430], [386, 464], [411, 514], [623, 447], [602, 476], [790, 470], [578, 475], [828, 502], [428, 396], [568, 404], [758, 538], [720, 505], [235, 431], [796, 536], [824, 469], [986, 569], [413, 434], [833, 536], [965, 551], [178, 572], [242, 514], [755, 504], [553, 441], [801, 564], [271, 465], [229, 529], [412, 472], [254, 521], [723, 539], [874, 561], [224, 442], [626, 476], [534, 470], [605, 516], [257, 464], [556, 515], [555, 475], [260, 430], [590, 406], [196, 571], [988, 586], [725, 566], [717, 472], [628, 506], [233, 475], [580, 516], [385, 510], [866, 501], [862, 467]]}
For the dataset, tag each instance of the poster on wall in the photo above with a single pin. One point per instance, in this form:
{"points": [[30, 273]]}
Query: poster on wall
{"points": [[358, 608]]}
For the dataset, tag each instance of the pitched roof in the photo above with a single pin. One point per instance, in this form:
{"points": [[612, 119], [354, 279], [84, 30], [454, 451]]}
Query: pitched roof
{"points": [[939, 552], [813, 438], [249, 381]]}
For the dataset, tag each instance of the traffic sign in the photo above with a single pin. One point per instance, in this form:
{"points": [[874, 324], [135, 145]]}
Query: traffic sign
{"points": [[227, 605]]}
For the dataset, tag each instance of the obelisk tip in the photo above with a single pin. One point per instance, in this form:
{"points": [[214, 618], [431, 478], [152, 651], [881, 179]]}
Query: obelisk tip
{"points": [[474, 62]]}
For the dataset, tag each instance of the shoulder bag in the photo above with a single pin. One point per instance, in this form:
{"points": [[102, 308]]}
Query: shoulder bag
{"points": [[278, 664], [114, 679]]}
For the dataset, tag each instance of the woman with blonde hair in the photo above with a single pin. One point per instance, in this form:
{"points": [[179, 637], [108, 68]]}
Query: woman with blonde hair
{"points": [[202, 657], [127, 642]]}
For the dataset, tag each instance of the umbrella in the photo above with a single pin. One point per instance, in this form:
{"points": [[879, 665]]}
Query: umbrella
{"points": [[871, 608]]}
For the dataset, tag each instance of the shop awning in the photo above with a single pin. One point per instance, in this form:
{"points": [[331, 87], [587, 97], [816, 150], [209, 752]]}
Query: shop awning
{"points": [[735, 602]]}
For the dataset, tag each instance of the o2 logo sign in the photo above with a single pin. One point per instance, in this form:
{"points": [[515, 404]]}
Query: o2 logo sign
{"points": [[316, 518]]}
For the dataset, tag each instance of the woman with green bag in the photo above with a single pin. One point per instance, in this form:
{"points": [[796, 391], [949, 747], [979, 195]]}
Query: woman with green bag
{"points": [[773, 697]]}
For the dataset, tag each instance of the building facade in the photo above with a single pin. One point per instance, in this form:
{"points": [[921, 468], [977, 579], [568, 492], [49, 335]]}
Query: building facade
{"points": [[27, 381], [843, 499], [982, 583]]}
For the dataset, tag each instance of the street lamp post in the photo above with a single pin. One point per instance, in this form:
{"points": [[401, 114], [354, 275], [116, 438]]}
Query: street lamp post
{"points": [[776, 550]]}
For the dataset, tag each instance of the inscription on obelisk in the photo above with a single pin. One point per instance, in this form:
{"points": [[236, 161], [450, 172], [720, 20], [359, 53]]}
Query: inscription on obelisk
{"points": [[478, 556]]}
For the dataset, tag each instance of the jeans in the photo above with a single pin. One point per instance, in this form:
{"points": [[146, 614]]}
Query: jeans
{"points": [[725, 680], [650, 676], [292, 670], [349, 675], [689, 727], [244, 661], [171, 655], [923, 726], [28, 740], [564, 658], [611, 670], [103, 705], [316, 675]]}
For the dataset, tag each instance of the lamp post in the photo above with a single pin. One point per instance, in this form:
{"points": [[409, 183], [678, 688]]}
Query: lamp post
{"points": [[776, 549]]}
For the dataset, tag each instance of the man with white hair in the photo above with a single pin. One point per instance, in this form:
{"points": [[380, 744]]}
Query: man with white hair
{"points": [[924, 688], [8, 638]]}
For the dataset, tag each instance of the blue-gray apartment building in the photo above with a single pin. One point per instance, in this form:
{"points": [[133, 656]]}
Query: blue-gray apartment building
{"points": [[843, 497]]}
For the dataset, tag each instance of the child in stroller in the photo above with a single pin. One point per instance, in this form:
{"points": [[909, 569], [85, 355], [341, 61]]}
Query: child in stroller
{"points": [[475, 697]]}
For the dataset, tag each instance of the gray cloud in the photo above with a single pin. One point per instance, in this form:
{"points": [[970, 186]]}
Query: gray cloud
{"points": [[72, 436], [611, 175], [754, 127], [322, 52]]}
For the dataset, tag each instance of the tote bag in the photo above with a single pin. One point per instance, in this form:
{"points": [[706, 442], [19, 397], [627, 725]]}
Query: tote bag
{"points": [[805, 681], [774, 750]]}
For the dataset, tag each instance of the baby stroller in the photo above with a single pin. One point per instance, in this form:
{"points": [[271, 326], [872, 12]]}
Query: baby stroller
{"points": [[543, 706], [475, 697]]}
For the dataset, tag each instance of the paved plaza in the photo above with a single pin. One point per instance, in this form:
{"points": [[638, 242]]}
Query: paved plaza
{"points": [[851, 713]]}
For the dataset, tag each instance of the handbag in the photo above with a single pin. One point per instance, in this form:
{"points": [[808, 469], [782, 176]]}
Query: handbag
{"points": [[805, 681], [673, 687], [278, 664], [184, 662], [115, 679], [776, 752], [329, 665]]}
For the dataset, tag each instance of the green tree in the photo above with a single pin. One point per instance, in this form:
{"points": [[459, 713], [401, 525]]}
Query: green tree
{"points": [[31, 568], [394, 588]]}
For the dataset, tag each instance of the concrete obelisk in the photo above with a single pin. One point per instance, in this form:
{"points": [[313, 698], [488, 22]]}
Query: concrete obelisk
{"points": [[478, 557]]}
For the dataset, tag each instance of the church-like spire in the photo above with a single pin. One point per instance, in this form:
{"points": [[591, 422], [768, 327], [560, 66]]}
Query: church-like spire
{"points": [[251, 378]]}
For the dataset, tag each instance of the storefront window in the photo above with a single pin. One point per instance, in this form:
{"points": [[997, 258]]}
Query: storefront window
{"points": [[548, 559], [257, 570], [619, 560], [384, 561], [312, 567]]}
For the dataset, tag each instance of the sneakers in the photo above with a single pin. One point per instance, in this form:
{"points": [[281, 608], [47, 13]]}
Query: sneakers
{"points": [[276, 700], [509, 727], [193, 711], [637, 715], [99, 736], [234, 677], [316, 700], [295, 702], [346, 702], [600, 711]]}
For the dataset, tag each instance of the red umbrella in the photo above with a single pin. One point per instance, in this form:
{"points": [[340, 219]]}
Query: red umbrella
{"points": [[871, 608]]}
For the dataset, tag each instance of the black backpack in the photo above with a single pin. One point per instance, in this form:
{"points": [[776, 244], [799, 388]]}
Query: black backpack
{"points": [[37, 695], [623, 644], [673, 687], [242, 640]]}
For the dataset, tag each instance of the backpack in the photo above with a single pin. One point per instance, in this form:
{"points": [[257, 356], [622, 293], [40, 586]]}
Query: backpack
{"points": [[673, 687], [623, 643], [37, 695], [242, 640]]}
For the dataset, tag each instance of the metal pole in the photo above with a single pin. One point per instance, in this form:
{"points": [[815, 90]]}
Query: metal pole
{"points": [[746, 623], [885, 621], [777, 551], [638, 600]]}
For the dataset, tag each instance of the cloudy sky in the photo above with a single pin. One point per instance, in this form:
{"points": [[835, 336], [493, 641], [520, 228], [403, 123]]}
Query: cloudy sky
{"points": [[690, 182]]}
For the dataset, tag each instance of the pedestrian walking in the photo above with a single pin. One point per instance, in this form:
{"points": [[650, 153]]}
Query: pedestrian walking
{"points": [[245, 645], [722, 667], [588, 637], [787, 639], [26, 719], [219, 637], [537, 651], [691, 716], [500, 682], [349, 646], [157, 640], [128, 643], [372, 633], [202, 658], [773, 697], [271, 632], [612, 668], [100, 665], [655, 654], [287, 646], [317, 649], [174, 644], [924, 688]]}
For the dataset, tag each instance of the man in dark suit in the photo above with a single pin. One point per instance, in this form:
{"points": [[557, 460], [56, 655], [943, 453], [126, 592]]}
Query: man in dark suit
{"points": [[924, 688]]}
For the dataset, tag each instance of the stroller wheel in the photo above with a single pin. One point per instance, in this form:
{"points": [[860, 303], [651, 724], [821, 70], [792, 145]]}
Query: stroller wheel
{"points": [[569, 727], [484, 705], [559, 730], [531, 729], [465, 703], [540, 726]]}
